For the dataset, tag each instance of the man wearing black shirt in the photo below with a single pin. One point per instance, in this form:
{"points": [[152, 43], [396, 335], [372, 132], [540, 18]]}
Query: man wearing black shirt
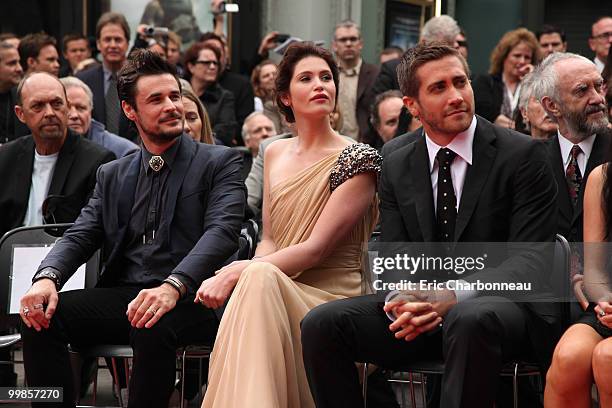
{"points": [[167, 218], [10, 74]]}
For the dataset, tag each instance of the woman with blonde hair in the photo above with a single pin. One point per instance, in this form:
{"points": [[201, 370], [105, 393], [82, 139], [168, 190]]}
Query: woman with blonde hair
{"points": [[197, 123], [496, 94]]}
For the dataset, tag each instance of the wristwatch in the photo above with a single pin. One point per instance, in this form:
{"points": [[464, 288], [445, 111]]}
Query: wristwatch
{"points": [[48, 273]]}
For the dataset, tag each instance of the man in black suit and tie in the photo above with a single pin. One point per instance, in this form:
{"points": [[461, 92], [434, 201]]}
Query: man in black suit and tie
{"points": [[582, 141], [112, 39], [167, 217], [502, 186]]}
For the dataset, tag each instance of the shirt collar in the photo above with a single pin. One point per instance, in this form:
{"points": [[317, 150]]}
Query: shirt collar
{"points": [[599, 64], [169, 155], [352, 71], [566, 146], [461, 144]]}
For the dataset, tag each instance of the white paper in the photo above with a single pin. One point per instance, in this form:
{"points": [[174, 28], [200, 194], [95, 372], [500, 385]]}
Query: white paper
{"points": [[25, 261]]}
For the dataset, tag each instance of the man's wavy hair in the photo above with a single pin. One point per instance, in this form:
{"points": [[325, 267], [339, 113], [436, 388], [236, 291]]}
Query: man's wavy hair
{"points": [[140, 63], [418, 56]]}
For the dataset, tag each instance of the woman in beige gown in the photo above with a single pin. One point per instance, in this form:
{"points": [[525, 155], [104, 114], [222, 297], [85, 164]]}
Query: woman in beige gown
{"points": [[318, 212]]}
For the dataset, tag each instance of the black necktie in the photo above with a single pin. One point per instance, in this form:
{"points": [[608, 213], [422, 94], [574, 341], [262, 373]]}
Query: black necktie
{"points": [[573, 175], [446, 214], [112, 106]]}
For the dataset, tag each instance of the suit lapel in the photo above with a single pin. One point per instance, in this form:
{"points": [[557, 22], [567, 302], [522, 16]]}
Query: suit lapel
{"points": [[420, 178], [63, 164], [23, 178], [563, 198], [179, 170], [483, 157]]}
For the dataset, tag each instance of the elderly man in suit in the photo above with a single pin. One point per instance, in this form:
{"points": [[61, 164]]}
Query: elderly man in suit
{"points": [[449, 185], [356, 77], [112, 39], [52, 164], [80, 99], [167, 218]]}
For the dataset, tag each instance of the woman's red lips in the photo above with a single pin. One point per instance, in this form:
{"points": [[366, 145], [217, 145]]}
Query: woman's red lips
{"points": [[319, 96]]}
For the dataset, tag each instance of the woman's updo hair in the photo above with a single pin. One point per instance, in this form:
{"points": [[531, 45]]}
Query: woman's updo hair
{"points": [[294, 54]]}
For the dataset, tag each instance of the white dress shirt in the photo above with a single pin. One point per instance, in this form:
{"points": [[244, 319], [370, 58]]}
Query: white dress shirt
{"points": [[599, 64], [42, 172], [583, 157]]}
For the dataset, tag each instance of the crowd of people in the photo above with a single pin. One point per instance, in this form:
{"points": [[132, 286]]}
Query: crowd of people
{"points": [[157, 157]]}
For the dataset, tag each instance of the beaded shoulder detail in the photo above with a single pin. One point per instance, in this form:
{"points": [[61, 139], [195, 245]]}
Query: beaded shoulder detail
{"points": [[354, 159]]}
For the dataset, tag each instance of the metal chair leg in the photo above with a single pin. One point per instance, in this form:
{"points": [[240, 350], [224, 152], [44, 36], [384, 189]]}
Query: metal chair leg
{"points": [[365, 385], [182, 396], [423, 392], [117, 385], [515, 385], [412, 396]]}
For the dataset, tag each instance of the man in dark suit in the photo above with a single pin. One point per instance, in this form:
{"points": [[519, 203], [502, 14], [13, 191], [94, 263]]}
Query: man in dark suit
{"points": [[52, 164], [166, 217], [503, 188], [583, 139], [112, 38], [356, 76]]}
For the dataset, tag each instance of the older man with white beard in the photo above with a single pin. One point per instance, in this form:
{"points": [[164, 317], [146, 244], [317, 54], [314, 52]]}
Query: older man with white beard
{"points": [[570, 89]]}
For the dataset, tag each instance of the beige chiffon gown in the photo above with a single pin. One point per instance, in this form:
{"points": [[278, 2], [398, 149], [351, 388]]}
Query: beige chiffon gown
{"points": [[257, 357]]}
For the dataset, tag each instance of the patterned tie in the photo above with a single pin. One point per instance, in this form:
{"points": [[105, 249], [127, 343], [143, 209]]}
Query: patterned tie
{"points": [[573, 175], [446, 213], [113, 108]]}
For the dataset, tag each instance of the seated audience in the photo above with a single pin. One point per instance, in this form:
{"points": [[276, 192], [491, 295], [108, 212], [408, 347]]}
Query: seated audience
{"points": [[262, 80], [202, 64], [237, 84], [11, 38], [530, 117], [468, 162], [385, 117], [257, 128], [10, 75], [37, 52], [462, 44], [319, 209], [497, 93], [389, 53], [75, 50], [152, 266], [600, 40], [80, 121], [551, 39], [173, 52], [197, 124]]}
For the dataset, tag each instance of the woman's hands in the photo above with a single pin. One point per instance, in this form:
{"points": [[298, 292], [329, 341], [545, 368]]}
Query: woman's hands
{"points": [[603, 309], [214, 291]]}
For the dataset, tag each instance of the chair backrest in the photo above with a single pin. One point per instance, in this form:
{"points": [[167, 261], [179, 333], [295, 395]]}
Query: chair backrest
{"points": [[35, 236], [560, 277]]}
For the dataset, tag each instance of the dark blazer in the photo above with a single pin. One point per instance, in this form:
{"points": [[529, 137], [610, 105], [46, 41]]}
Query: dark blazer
{"points": [[73, 179], [508, 196], [569, 220], [94, 78], [205, 208], [488, 96], [219, 104], [387, 77], [244, 98], [367, 76]]}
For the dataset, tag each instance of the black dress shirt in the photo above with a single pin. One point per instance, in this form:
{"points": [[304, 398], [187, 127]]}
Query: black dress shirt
{"points": [[147, 255]]}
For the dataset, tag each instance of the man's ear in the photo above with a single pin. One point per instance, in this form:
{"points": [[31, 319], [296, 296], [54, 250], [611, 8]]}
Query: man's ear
{"points": [[524, 115], [551, 107], [30, 62], [412, 106], [20, 114], [129, 111]]}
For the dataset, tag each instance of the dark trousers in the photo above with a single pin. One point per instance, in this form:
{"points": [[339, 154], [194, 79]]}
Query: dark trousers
{"points": [[477, 337], [98, 316]]}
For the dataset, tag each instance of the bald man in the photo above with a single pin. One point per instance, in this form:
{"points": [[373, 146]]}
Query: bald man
{"points": [[50, 161]]}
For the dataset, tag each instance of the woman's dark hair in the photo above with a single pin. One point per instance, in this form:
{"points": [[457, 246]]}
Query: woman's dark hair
{"points": [[193, 53], [140, 63], [294, 54]]}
